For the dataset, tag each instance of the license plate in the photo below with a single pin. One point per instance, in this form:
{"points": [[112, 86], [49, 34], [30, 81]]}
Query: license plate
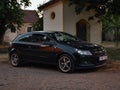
{"points": [[103, 58]]}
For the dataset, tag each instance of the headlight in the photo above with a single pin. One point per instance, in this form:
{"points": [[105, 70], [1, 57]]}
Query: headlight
{"points": [[81, 52]]}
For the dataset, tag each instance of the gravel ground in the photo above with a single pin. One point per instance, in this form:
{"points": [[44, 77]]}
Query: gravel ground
{"points": [[43, 77]]}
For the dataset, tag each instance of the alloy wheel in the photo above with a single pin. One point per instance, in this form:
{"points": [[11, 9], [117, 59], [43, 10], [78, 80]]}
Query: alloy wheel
{"points": [[65, 64], [14, 58]]}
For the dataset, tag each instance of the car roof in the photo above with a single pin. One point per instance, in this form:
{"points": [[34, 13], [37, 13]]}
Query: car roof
{"points": [[42, 32], [35, 32], [38, 32]]}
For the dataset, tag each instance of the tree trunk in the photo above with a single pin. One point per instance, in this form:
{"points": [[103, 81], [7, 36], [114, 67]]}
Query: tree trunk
{"points": [[117, 37], [2, 31], [1, 39]]}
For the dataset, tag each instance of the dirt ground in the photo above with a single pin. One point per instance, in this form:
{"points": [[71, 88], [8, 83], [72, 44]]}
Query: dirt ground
{"points": [[44, 77]]}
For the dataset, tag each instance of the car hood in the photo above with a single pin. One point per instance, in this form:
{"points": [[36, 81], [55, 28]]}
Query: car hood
{"points": [[84, 45]]}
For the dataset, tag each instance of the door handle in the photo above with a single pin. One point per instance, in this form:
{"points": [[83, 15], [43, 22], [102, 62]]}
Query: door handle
{"points": [[29, 47]]}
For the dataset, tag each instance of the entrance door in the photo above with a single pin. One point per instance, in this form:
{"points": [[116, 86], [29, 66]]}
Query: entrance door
{"points": [[82, 30]]}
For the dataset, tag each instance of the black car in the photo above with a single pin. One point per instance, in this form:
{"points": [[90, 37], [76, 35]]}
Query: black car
{"points": [[64, 50]]}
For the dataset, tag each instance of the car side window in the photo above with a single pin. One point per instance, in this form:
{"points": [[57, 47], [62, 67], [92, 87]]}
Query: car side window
{"points": [[35, 38], [46, 39], [25, 38], [31, 38]]}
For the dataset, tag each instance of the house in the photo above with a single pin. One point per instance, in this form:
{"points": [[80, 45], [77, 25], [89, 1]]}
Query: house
{"points": [[30, 17], [59, 15]]}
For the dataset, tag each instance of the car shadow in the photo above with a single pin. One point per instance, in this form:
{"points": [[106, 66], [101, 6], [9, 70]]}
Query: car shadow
{"points": [[40, 66], [55, 68], [86, 70]]}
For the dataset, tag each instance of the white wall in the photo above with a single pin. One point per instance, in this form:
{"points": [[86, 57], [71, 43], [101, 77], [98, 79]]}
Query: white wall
{"points": [[55, 24], [71, 18], [95, 32], [66, 19], [9, 36], [24, 27]]}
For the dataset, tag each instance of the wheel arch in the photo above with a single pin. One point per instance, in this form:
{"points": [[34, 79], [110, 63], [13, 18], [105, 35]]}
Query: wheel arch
{"points": [[13, 50], [65, 53]]}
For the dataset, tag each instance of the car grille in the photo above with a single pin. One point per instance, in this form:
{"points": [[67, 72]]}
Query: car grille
{"points": [[98, 52]]}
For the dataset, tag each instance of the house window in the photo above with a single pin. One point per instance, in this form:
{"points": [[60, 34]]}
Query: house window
{"points": [[52, 15], [29, 29]]}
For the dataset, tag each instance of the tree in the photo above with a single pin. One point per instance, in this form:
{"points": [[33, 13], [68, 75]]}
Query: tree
{"points": [[11, 15], [101, 7], [112, 22], [107, 11], [38, 26]]}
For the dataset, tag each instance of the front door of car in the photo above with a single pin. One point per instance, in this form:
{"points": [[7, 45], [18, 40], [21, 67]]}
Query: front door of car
{"points": [[47, 51], [42, 49], [25, 46]]}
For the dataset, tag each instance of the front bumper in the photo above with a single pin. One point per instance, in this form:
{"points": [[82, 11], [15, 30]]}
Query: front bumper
{"points": [[87, 62]]}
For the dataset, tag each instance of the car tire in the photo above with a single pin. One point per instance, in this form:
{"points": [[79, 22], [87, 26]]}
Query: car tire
{"points": [[15, 60], [66, 64]]}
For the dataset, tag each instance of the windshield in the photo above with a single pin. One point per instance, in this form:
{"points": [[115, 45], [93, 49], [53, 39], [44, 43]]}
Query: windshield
{"points": [[64, 37]]}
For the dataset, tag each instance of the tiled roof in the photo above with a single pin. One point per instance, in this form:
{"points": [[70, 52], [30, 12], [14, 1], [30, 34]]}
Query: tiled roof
{"points": [[30, 16], [51, 2]]}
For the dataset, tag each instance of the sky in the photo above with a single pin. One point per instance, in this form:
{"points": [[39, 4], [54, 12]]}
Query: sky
{"points": [[35, 4]]}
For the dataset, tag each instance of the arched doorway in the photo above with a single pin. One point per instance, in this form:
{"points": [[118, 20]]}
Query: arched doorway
{"points": [[83, 30]]}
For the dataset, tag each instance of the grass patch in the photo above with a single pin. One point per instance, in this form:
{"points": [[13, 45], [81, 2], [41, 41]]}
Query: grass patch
{"points": [[113, 63], [113, 53]]}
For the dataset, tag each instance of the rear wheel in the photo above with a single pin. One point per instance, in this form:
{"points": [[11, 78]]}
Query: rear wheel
{"points": [[66, 64], [15, 60]]}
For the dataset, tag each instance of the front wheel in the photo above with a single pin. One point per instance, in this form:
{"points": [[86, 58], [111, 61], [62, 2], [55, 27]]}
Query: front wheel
{"points": [[15, 60], [66, 64]]}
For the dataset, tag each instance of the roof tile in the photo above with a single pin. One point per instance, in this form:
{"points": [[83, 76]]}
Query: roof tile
{"points": [[30, 16]]}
